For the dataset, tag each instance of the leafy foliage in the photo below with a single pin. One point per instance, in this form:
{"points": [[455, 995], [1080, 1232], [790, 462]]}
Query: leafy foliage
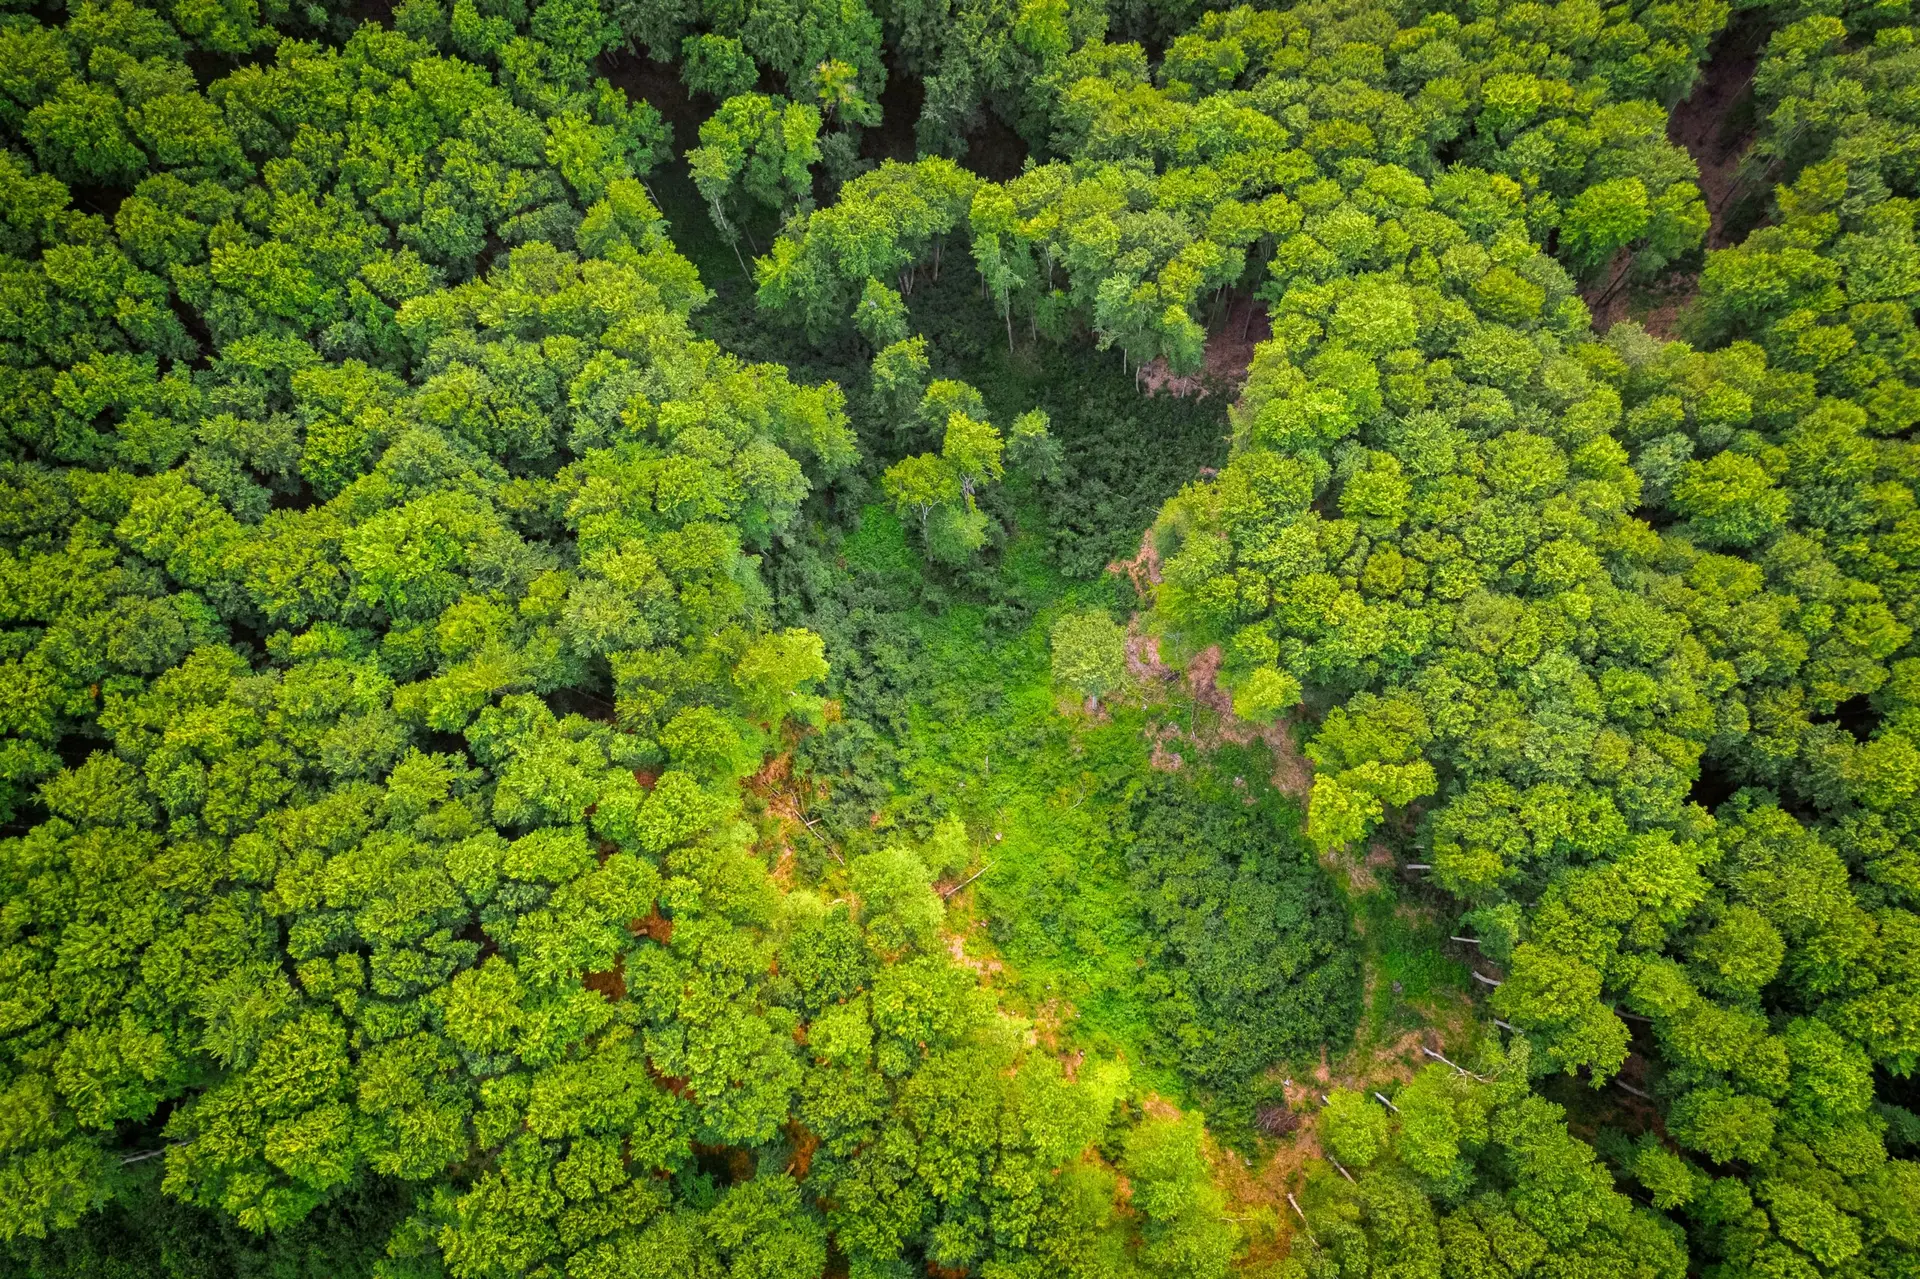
{"points": [[1162, 197], [330, 914], [1550, 579], [1251, 961], [1473, 1175], [477, 756]]}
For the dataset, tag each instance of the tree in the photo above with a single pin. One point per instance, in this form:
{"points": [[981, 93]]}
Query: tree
{"points": [[884, 225], [717, 66], [1355, 1126], [1033, 450], [1724, 1125], [940, 490], [1089, 654], [1252, 963], [772, 673], [921, 486], [882, 321], [900, 371], [1603, 219], [80, 134], [1266, 695], [1184, 1231], [403, 608], [898, 907], [759, 147], [1730, 500]]}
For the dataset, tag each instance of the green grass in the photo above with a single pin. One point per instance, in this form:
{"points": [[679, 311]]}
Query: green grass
{"points": [[1047, 797], [1405, 947]]}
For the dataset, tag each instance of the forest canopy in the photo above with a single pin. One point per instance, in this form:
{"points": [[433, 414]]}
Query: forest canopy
{"points": [[582, 693]]}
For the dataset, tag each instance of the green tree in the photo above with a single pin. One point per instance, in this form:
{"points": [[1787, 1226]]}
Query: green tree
{"points": [[1089, 654], [717, 66], [760, 148], [1355, 1126]]}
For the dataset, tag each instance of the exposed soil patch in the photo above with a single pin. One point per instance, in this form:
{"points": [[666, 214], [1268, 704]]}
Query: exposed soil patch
{"points": [[1154, 1106], [1355, 871], [1392, 1063], [1143, 570], [986, 966], [611, 984], [804, 1144], [774, 788], [784, 869], [1229, 354], [1292, 772], [1656, 306], [1202, 673], [1051, 1017], [1257, 1191], [656, 927], [1163, 758]]}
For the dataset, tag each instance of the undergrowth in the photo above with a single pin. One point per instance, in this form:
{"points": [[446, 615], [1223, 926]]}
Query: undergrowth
{"points": [[1177, 920]]}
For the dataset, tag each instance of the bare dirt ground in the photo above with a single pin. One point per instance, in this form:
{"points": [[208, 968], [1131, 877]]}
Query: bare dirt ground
{"points": [[1229, 355], [1143, 570], [1357, 867], [986, 965]]}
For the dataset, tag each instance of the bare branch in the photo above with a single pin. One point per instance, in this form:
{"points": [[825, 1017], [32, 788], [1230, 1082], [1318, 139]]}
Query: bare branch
{"points": [[968, 880]]}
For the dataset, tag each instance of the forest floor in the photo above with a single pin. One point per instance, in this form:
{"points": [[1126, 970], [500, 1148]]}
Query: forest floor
{"points": [[1717, 126]]}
